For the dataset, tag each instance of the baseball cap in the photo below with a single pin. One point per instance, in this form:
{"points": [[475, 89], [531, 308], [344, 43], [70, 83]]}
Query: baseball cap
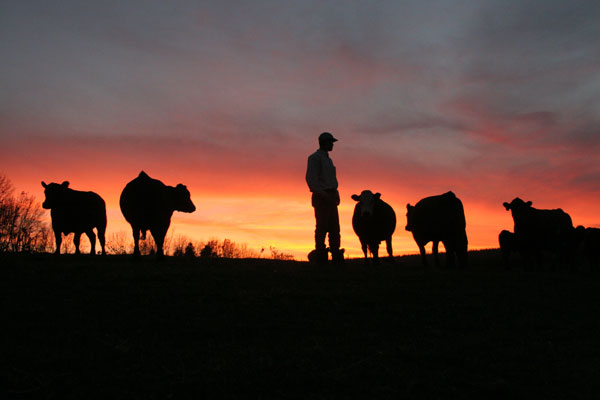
{"points": [[326, 136]]}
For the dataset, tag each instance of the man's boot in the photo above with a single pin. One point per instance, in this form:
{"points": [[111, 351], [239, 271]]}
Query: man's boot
{"points": [[337, 256], [318, 256]]}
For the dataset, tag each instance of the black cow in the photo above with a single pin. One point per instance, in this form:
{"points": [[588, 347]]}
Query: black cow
{"points": [[588, 240], [75, 211], [508, 245], [591, 246], [373, 221], [148, 204], [539, 230], [439, 219]]}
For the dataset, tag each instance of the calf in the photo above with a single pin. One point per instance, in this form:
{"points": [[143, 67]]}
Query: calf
{"points": [[75, 211], [508, 245]]}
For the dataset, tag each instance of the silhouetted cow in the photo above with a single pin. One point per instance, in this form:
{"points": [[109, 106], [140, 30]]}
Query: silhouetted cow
{"points": [[373, 221], [508, 245], [75, 211], [589, 243], [539, 230], [439, 219], [148, 204]]}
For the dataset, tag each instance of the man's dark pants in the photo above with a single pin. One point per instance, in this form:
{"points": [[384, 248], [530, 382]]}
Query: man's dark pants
{"points": [[328, 220]]}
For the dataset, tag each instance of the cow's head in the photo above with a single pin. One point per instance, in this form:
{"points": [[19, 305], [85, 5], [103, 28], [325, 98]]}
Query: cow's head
{"points": [[182, 200], [409, 217], [517, 206], [54, 193], [367, 202]]}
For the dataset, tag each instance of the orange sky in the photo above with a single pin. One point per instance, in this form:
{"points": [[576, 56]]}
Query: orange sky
{"points": [[263, 206]]}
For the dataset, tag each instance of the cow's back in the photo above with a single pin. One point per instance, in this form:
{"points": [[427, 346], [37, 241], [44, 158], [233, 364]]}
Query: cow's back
{"points": [[79, 212], [555, 220], [437, 216], [143, 199], [546, 228]]}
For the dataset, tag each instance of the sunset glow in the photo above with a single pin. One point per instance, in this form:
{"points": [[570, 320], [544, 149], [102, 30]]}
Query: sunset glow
{"points": [[228, 98]]}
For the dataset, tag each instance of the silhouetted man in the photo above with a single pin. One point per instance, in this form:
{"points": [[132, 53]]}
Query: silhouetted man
{"points": [[322, 181]]}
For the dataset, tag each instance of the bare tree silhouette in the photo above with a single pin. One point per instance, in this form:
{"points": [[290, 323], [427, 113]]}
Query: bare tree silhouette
{"points": [[21, 221]]}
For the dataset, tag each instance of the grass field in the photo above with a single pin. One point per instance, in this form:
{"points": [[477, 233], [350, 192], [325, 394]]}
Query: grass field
{"points": [[109, 328]]}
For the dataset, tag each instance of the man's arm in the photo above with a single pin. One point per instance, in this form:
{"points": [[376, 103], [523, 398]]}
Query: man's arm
{"points": [[313, 171]]}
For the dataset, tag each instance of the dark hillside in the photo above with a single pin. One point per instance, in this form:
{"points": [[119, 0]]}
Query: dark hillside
{"points": [[109, 328]]}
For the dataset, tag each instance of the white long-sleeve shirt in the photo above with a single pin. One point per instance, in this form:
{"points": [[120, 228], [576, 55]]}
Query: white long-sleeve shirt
{"points": [[320, 172]]}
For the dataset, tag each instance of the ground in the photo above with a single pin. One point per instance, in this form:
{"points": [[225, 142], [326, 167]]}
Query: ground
{"points": [[110, 328]]}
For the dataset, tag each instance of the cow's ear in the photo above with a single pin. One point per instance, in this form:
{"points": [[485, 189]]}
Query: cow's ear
{"points": [[506, 205], [65, 184], [377, 196], [528, 204], [408, 206], [355, 197], [44, 184]]}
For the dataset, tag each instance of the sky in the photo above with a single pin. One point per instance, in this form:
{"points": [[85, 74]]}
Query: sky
{"points": [[491, 99]]}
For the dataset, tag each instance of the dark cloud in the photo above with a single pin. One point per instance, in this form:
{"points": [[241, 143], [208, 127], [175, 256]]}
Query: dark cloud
{"points": [[588, 182]]}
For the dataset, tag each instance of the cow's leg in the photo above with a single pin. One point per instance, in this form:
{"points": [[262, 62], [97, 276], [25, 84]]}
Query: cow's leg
{"points": [[92, 236], [136, 241], [159, 239], [101, 228], [76, 240], [388, 246], [451, 258], [58, 241], [434, 250], [462, 256], [375, 251], [102, 238], [365, 249], [423, 254], [462, 251], [450, 253]]}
